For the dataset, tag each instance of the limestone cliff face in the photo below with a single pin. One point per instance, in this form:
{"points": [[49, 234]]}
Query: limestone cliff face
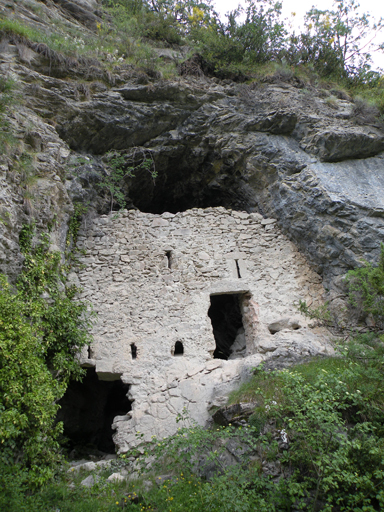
{"points": [[278, 148]]}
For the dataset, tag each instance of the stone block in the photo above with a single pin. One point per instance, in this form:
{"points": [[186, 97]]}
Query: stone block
{"points": [[90, 481], [267, 222], [159, 222]]}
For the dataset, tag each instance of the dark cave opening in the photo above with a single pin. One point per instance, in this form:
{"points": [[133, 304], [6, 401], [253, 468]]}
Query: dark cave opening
{"points": [[88, 409], [183, 182], [186, 182], [226, 319]]}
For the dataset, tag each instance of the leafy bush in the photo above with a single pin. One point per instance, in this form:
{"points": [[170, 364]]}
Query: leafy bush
{"points": [[42, 328], [160, 27], [63, 493], [28, 389], [336, 42], [366, 290], [262, 35]]}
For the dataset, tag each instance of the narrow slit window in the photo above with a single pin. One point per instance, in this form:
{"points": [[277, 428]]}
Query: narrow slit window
{"points": [[169, 258], [89, 352], [133, 351], [238, 269], [179, 349]]}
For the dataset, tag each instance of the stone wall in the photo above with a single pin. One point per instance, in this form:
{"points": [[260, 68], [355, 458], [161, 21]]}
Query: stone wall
{"points": [[150, 278]]}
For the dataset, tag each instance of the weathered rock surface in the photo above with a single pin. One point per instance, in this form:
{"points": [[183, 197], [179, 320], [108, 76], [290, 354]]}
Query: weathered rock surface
{"points": [[214, 145], [233, 414], [90, 481], [32, 188]]}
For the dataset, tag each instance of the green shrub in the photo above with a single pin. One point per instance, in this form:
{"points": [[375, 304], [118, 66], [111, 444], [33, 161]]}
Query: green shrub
{"points": [[63, 493], [160, 27], [366, 290], [42, 328], [332, 413]]}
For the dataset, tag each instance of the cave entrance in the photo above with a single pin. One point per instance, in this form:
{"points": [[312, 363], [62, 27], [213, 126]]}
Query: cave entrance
{"points": [[227, 325], [87, 412]]}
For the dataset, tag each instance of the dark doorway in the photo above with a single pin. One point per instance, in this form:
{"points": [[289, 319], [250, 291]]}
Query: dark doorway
{"points": [[88, 409], [226, 318]]}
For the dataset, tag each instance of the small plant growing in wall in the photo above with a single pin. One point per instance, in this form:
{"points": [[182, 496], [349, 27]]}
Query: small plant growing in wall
{"points": [[122, 166], [73, 230], [321, 313]]}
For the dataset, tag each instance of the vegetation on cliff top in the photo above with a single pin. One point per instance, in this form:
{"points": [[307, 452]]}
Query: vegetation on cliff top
{"points": [[335, 45]]}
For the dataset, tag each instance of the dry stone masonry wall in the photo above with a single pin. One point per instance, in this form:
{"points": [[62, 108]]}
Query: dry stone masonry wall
{"points": [[151, 279]]}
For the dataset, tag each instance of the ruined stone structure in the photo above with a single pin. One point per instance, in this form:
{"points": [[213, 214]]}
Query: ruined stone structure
{"points": [[187, 304]]}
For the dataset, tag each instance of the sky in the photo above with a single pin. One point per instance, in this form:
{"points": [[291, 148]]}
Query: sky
{"points": [[300, 7]]}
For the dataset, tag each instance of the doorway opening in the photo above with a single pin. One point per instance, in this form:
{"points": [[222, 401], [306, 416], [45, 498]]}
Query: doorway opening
{"points": [[227, 325], [87, 411]]}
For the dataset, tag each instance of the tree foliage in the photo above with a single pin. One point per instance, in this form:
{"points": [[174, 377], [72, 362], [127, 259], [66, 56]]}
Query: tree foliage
{"points": [[42, 328], [260, 38], [262, 34], [166, 20], [366, 290], [337, 42]]}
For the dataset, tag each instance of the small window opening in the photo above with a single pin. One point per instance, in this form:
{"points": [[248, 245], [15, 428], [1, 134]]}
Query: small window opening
{"points": [[227, 324], [169, 258], [133, 351], [238, 269], [179, 349], [89, 352]]}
